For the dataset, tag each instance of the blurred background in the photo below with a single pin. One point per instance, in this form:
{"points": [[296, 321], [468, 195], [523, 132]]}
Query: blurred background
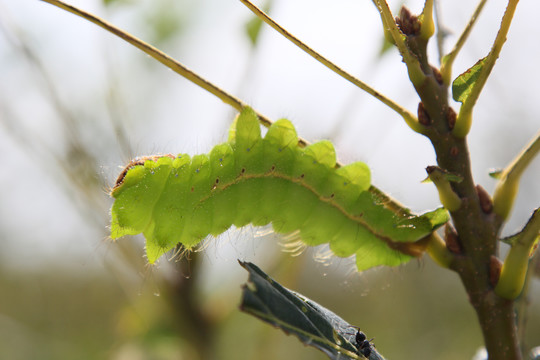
{"points": [[77, 103]]}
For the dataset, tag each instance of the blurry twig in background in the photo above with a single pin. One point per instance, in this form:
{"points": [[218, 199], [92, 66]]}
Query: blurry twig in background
{"points": [[76, 164], [78, 173], [442, 31], [409, 118]]}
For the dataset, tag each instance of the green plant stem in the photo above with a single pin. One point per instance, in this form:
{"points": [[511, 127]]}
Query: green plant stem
{"points": [[477, 232], [463, 122], [448, 59], [448, 197], [476, 225], [508, 185], [426, 18], [438, 251], [515, 266], [409, 118]]}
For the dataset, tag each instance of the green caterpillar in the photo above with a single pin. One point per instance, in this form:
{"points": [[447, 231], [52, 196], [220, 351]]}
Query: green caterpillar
{"points": [[249, 179]]}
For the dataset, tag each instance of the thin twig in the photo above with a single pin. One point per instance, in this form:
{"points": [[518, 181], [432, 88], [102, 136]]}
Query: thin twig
{"points": [[448, 59], [442, 31], [409, 118], [464, 118]]}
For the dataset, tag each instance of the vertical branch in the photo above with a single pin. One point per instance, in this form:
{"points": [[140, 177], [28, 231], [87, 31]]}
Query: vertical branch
{"points": [[470, 206]]}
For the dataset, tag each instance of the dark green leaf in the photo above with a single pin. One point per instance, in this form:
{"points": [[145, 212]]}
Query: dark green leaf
{"points": [[295, 314]]}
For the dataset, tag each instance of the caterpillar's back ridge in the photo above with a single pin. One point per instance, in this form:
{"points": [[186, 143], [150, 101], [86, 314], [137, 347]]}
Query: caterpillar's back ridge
{"points": [[250, 179]]}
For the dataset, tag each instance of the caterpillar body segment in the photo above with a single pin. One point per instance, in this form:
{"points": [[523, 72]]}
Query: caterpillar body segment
{"points": [[255, 180]]}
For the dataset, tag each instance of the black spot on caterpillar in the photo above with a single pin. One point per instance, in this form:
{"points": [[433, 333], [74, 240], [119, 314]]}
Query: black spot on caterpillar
{"points": [[250, 179]]}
